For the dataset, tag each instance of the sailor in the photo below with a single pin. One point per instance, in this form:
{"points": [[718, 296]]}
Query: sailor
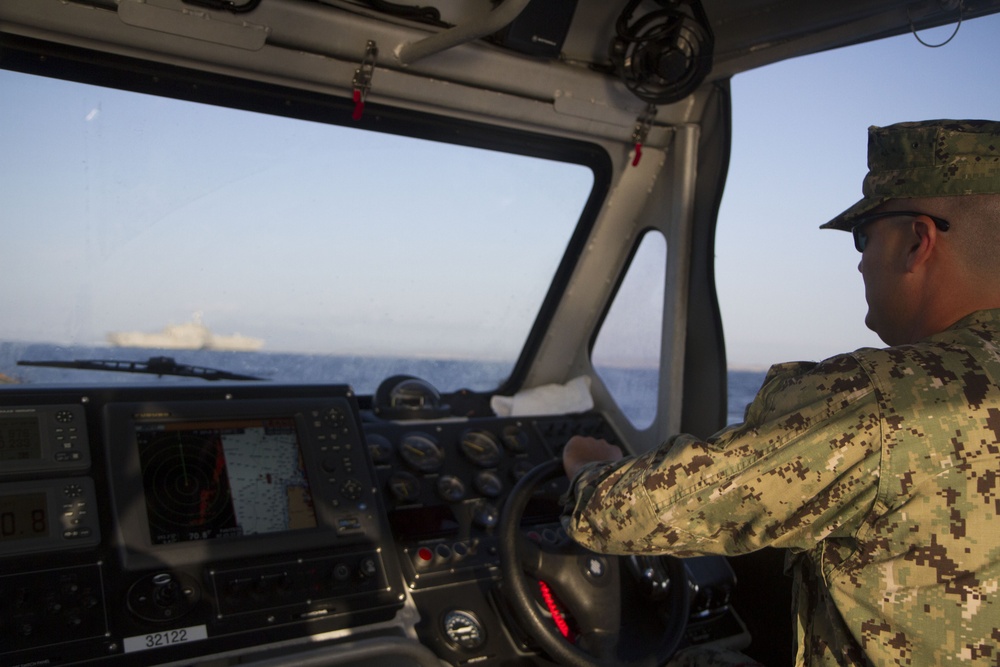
{"points": [[879, 470]]}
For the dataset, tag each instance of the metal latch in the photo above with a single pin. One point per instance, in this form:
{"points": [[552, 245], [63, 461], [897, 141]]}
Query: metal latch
{"points": [[363, 78], [642, 126]]}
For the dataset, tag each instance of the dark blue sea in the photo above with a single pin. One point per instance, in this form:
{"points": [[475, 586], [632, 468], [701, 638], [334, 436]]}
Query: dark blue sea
{"points": [[633, 388]]}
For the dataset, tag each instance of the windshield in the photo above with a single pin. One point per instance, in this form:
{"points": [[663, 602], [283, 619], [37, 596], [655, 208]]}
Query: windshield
{"points": [[142, 226]]}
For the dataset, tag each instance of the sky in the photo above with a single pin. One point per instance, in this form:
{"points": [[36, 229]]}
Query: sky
{"points": [[787, 290], [107, 258], [137, 212]]}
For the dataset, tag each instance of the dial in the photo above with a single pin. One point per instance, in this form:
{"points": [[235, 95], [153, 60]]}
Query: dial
{"points": [[422, 452], [451, 488], [463, 629], [488, 483], [379, 449], [482, 448], [515, 438], [404, 486]]}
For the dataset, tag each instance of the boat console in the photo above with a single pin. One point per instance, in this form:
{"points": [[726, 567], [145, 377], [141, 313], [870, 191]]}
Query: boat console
{"points": [[174, 524]]}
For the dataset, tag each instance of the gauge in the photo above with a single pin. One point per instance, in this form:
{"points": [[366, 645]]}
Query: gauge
{"points": [[451, 488], [515, 438], [379, 448], [463, 629], [404, 486], [482, 448], [422, 452], [488, 483]]}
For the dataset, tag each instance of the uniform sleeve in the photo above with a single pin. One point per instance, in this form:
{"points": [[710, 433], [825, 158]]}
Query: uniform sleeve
{"points": [[802, 467]]}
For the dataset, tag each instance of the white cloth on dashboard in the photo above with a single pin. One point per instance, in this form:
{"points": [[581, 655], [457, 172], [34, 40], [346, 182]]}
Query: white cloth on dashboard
{"points": [[547, 399]]}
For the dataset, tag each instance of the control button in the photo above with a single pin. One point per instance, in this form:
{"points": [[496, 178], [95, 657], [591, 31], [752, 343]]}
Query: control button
{"points": [[335, 417], [442, 554], [352, 489], [423, 558], [164, 596], [460, 550], [341, 572], [595, 567], [368, 568]]}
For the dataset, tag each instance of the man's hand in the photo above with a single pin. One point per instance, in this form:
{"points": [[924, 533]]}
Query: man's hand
{"points": [[580, 451]]}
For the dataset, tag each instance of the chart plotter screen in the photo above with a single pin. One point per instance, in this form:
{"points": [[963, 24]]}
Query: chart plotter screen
{"points": [[205, 480]]}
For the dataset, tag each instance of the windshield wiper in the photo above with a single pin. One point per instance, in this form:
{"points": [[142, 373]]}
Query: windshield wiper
{"points": [[155, 366]]}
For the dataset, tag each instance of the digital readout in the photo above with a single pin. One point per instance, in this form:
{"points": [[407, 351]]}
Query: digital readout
{"points": [[20, 439], [23, 516]]}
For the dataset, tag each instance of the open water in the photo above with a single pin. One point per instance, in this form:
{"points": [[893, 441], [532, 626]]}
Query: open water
{"points": [[363, 373]]}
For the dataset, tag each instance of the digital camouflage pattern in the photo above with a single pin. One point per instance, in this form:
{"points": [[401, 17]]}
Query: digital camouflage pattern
{"points": [[936, 158], [879, 470]]}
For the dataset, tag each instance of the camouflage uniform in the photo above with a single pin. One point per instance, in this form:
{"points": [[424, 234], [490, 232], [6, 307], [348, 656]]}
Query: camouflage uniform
{"points": [[879, 470]]}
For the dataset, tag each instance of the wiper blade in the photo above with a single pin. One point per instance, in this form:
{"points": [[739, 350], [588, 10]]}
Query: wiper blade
{"points": [[155, 366]]}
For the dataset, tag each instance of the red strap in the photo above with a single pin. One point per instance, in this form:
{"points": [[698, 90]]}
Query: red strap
{"points": [[359, 105]]}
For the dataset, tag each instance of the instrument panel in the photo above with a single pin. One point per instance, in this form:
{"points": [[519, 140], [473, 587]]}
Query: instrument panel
{"points": [[178, 524], [151, 525]]}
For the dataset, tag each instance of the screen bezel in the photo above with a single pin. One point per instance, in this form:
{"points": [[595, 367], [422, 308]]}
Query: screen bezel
{"points": [[129, 494]]}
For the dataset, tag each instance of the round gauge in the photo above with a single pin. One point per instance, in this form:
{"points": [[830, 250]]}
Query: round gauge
{"points": [[404, 486], [488, 483], [451, 488], [422, 452], [515, 438], [379, 448], [482, 448], [463, 629]]}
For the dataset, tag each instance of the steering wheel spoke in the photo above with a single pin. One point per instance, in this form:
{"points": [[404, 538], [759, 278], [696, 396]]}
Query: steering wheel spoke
{"points": [[588, 585], [602, 644]]}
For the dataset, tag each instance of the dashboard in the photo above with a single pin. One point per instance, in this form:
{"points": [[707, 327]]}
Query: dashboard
{"points": [[178, 524]]}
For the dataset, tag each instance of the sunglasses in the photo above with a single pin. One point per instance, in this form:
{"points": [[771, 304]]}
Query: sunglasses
{"points": [[861, 237]]}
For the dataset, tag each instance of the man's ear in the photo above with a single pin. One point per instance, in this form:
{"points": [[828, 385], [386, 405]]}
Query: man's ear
{"points": [[923, 242]]}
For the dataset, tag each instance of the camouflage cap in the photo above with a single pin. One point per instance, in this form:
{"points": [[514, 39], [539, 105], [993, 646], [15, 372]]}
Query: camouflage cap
{"points": [[934, 158]]}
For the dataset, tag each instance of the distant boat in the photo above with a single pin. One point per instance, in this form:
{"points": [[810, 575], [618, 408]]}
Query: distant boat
{"points": [[193, 335]]}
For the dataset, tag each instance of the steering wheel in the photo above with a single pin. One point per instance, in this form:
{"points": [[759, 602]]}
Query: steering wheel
{"points": [[588, 584]]}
